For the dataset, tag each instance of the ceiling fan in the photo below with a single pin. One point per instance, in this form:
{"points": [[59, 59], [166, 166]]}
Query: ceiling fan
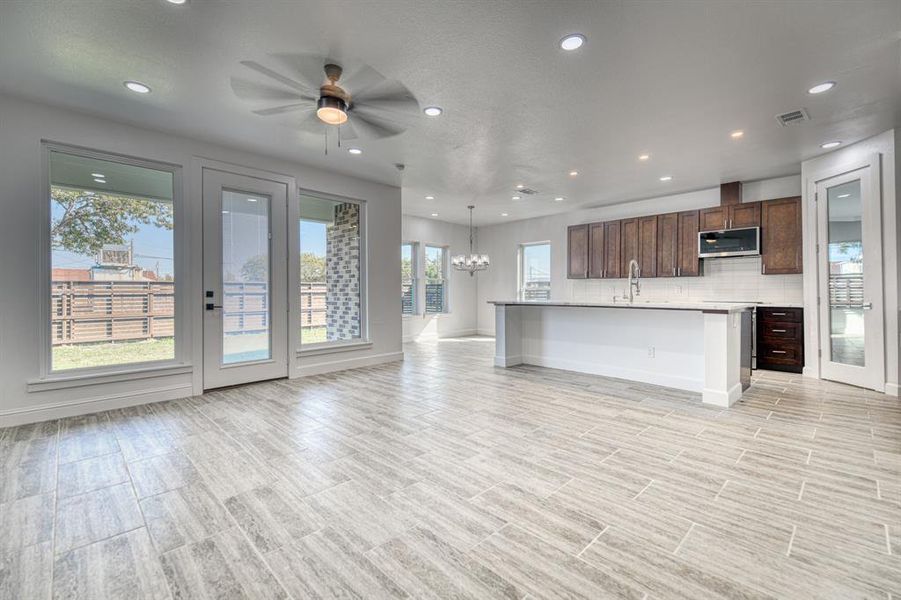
{"points": [[360, 103]]}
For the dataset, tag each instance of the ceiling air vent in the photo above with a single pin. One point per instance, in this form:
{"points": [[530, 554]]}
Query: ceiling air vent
{"points": [[792, 117], [527, 191]]}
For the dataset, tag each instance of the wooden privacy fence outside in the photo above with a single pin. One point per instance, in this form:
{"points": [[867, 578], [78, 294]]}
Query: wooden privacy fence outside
{"points": [[103, 311]]}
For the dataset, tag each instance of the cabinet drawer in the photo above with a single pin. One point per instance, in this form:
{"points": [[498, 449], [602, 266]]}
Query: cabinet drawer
{"points": [[779, 330], [772, 314], [779, 354]]}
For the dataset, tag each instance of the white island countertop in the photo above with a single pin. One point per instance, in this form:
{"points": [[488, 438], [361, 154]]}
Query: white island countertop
{"points": [[705, 307]]}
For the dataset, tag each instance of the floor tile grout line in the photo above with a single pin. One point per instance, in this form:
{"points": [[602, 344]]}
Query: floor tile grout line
{"points": [[59, 427], [635, 497], [593, 540], [684, 537], [888, 540], [791, 541], [801, 491], [715, 498]]}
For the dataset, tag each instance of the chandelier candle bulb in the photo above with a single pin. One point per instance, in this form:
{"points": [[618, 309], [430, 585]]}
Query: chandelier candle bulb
{"points": [[473, 262]]}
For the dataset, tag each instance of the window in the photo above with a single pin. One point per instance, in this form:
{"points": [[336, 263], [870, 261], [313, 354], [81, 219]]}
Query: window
{"points": [[435, 279], [408, 278], [331, 270], [112, 262], [535, 271]]}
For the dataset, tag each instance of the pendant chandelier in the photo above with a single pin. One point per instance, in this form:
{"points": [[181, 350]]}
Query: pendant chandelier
{"points": [[473, 262]]}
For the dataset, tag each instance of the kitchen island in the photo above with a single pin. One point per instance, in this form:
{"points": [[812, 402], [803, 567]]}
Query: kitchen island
{"points": [[699, 347]]}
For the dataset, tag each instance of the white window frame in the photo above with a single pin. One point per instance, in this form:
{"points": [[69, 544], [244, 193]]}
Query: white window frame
{"points": [[294, 250], [414, 269], [521, 265], [445, 269], [180, 363]]}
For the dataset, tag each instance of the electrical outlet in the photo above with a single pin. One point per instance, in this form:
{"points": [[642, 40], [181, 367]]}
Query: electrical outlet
{"points": [[651, 351]]}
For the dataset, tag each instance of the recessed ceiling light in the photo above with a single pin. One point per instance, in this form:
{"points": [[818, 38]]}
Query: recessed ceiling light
{"points": [[644, 157], [573, 173], [516, 198], [434, 214], [828, 145], [504, 215], [821, 87], [433, 111], [519, 186], [843, 195], [100, 175], [251, 199], [99, 180], [666, 178], [177, 2], [559, 199], [430, 197], [137, 86], [572, 42], [355, 151], [224, 212], [736, 134]]}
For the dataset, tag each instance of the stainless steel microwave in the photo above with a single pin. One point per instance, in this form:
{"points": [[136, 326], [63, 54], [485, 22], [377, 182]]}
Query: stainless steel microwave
{"points": [[729, 242]]}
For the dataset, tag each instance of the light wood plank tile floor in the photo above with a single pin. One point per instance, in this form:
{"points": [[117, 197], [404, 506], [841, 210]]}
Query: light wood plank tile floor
{"points": [[444, 477]]}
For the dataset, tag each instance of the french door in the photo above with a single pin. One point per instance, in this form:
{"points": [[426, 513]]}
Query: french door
{"points": [[849, 269], [245, 279]]}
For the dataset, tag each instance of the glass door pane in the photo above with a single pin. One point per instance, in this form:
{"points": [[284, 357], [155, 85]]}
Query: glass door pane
{"points": [[845, 261], [246, 280]]}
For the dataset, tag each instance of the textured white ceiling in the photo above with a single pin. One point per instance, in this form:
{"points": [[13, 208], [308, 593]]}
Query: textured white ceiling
{"points": [[664, 77]]}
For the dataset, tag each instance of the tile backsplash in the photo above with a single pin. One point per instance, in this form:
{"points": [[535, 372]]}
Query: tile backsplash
{"points": [[724, 279]]}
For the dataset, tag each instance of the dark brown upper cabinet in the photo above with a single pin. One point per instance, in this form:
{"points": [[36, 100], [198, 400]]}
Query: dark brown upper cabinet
{"points": [[629, 244], [596, 250], [577, 251], [677, 244], [639, 243], [780, 236], [647, 246], [612, 249], [688, 264], [667, 244], [734, 216]]}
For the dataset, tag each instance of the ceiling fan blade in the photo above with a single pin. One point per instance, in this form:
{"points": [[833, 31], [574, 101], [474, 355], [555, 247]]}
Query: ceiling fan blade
{"points": [[303, 89], [347, 131], [361, 79], [385, 90], [398, 109], [375, 127], [312, 124], [251, 90], [278, 110], [308, 69], [404, 119]]}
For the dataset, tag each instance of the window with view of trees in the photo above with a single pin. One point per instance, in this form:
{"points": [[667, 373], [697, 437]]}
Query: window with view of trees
{"points": [[330, 270], [408, 279], [435, 279], [112, 250], [535, 274]]}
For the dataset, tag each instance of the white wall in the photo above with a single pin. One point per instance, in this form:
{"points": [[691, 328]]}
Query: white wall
{"points": [[23, 125], [461, 320], [835, 163], [724, 279]]}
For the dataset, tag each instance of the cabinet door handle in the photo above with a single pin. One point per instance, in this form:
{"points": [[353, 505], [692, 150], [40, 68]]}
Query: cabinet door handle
{"points": [[764, 268], [679, 271], [778, 331], [778, 351], [775, 314], [674, 271]]}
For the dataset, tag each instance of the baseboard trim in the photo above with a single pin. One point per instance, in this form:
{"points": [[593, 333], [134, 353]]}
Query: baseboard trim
{"points": [[441, 335], [892, 389], [59, 410], [724, 399], [673, 381], [485, 332], [346, 363]]}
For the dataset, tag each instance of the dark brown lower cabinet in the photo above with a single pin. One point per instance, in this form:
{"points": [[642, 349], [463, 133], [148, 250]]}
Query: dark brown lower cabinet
{"points": [[780, 338], [577, 248]]}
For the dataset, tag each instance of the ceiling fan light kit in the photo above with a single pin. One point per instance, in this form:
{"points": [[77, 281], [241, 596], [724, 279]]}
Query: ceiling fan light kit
{"points": [[331, 110], [472, 262]]}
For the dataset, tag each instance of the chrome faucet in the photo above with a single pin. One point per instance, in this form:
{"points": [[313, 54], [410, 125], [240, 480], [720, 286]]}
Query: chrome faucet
{"points": [[634, 286]]}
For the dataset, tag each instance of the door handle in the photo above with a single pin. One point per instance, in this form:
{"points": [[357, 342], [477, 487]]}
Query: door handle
{"points": [[778, 331], [211, 306], [778, 351], [867, 306]]}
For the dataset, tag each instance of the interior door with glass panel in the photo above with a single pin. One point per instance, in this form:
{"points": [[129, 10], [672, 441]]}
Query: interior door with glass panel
{"points": [[245, 283], [849, 262]]}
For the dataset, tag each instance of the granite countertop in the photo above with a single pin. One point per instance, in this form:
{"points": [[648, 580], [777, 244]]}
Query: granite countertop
{"points": [[707, 307]]}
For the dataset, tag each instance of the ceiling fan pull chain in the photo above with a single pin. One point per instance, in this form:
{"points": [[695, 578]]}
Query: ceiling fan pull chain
{"points": [[326, 142], [339, 136]]}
